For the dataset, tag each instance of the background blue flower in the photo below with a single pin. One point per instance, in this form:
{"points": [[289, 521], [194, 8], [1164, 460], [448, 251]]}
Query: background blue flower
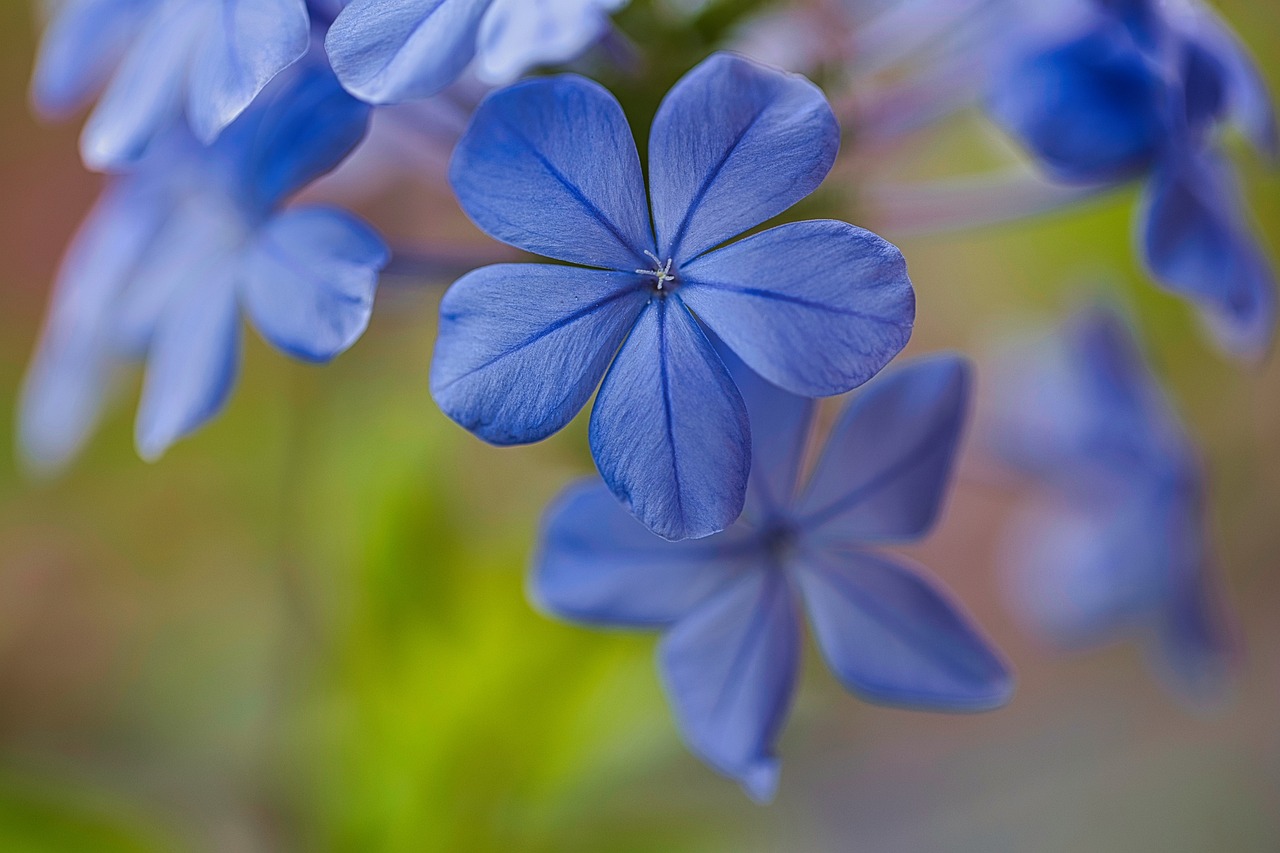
{"points": [[1115, 545], [175, 250], [730, 604], [386, 51], [550, 166]]}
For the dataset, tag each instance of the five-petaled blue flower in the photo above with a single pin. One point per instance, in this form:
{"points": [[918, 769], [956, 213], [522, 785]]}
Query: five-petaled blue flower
{"points": [[730, 605], [206, 58], [176, 249], [1138, 89], [387, 51], [1115, 543], [550, 166]]}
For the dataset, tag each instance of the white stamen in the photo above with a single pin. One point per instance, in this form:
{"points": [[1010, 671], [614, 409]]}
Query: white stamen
{"points": [[661, 271]]}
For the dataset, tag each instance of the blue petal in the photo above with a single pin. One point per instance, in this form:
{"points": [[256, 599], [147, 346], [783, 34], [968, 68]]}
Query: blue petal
{"points": [[1196, 648], [1245, 92], [145, 95], [192, 364], [67, 383], [517, 35], [301, 128], [244, 49], [669, 431], [781, 423], [1091, 109], [887, 464], [1195, 241], [387, 51], [894, 638], [550, 166], [730, 669], [817, 308], [81, 47], [522, 346], [733, 144], [597, 564], [309, 281]]}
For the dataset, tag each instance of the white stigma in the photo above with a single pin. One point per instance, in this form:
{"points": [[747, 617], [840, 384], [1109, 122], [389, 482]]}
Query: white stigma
{"points": [[660, 271]]}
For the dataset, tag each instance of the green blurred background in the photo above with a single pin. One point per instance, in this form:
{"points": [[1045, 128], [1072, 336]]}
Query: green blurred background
{"points": [[306, 629]]}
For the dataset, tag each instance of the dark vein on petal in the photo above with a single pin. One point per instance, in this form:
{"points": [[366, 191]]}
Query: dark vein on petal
{"points": [[762, 293], [663, 369]]}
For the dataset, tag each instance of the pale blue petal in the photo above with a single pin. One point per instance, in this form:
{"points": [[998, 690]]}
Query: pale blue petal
{"points": [[387, 51], [192, 364], [817, 308], [79, 50], [517, 35], [598, 565], [550, 166], [669, 432], [733, 144], [729, 669], [521, 347], [247, 45], [893, 637], [887, 465], [1246, 97], [309, 281], [145, 95]]}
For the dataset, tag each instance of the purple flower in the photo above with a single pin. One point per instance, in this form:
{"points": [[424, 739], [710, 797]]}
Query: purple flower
{"points": [[730, 605], [549, 166], [1114, 543]]}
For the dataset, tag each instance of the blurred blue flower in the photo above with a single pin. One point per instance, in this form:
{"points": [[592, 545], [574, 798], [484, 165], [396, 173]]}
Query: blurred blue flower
{"points": [[1114, 544], [730, 605], [387, 51], [175, 250], [1138, 89], [153, 60], [550, 166]]}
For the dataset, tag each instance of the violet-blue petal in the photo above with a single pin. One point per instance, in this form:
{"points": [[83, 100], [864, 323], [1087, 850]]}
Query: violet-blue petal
{"points": [[517, 35], [598, 565], [1196, 241], [669, 431], [733, 144], [1090, 109], [1247, 100], [247, 44], [191, 365], [550, 166], [146, 93], [388, 51], [308, 281], [781, 424], [729, 669], [887, 464], [817, 308], [1196, 647], [67, 382], [521, 347], [82, 45], [894, 637]]}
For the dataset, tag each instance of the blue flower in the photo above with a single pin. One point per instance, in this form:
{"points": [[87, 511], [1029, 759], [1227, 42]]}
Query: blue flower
{"points": [[1114, 543], [549, 166], [730, 605], [1138, 91], [387, 51], [176, 250], [158, 59]]}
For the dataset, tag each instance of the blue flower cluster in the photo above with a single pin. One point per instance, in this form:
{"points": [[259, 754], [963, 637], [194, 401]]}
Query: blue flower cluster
{"points": [[704, 330]]}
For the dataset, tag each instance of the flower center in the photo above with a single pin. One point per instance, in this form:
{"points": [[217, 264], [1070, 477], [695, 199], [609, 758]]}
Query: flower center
{"points": [[661, 271]]}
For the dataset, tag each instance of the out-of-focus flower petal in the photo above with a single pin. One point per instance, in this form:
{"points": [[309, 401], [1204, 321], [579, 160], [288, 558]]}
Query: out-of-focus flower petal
{"points": [[817, 308], [517, 35], [730, 669], [670, 432], [598, 565], [892, 637], [733, 144], [309, 279], [79, 50], [522, 346], [550, 166], [191, 365], [885, 469], [386, 51], [248, 43]]}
